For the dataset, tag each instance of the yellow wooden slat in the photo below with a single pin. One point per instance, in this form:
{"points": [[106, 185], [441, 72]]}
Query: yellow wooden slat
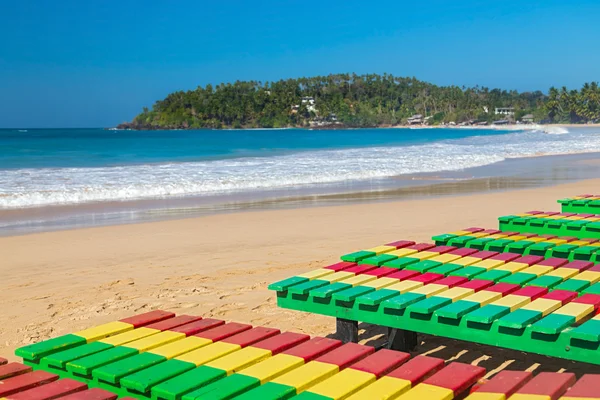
{"points": [[307, 375], [564, 273], [466, 261], [460, 233], [489, 264], [424, 255], [240, 359], [483, 297], [545, 306], [317, 273], [430, 392], [153, 341], [577, 310], [381, 249], [380, 283], [536, 239], [590, 276], [486, 396], [358, 279], [383, 389], [537, 270], [520, 396], [405, 286], [180, 347], [430, 290], [456, 293], [129, 336], [341, 385], [105, 330], [209, 353], [336, 277], [512, 301], [512, 267], [273, 367], [403, 252], [446, 258], [556, 241]]}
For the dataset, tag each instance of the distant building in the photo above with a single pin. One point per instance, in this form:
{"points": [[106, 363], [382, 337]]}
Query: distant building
{"points": [[500, 122], [415, 119], [504, 111], [309, 101], [527, 119]]}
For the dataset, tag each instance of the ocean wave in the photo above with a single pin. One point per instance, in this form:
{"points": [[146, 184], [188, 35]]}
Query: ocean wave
{"points": [[47, 186]]}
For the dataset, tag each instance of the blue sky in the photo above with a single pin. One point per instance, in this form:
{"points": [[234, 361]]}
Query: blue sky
{"points": [[74, 63]]}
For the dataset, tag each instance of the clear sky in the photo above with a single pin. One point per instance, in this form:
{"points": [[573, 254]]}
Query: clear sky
{"points": [[95, 63]]}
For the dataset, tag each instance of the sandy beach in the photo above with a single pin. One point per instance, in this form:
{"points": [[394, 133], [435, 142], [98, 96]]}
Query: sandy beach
{"points": [[220, 265]]}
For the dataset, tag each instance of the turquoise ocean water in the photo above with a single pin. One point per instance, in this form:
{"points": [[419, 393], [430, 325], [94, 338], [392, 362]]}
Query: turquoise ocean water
{"points": [[80, 166]]}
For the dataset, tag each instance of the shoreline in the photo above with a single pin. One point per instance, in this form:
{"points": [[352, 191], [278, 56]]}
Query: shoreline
{"points": [[218, 265]]}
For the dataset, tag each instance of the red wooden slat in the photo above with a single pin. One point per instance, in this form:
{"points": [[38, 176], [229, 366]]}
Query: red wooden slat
{"points": [[427, 277], [595, 268], [381, 271], [400, 244], [346, 354], [473, 229], [504, 288], [251, 336], [529, 260], [382, 362], [463, 252], [457, 377], [551, 212], [3, 361], [25, 381], [91, 394], [360, 269], [506, 257], [587, 387], [340, 266], [173, 322], [548, 236], [492, 231], [417, 369], [484, 255], [569, 239], [579, 265], [148, 318], [553, 262], [421, 246], [224, 331], [198, 326], [313, 348], [442, 249], [549, 384], [534, 212], [564, 296], [477, 284], [404, 274], [589, 298], [13, 369], [506, 382], [279, 343], [452, 281], [51, 390], [590, 240], [532, 292]]}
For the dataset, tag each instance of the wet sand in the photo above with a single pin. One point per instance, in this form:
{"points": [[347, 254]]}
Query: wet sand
{"points": [[220, 265]]}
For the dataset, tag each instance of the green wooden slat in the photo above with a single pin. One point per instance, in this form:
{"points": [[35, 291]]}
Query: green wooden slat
{"points": [[379, 260], [269, 391], [424, 266], [589, 331], [60, 359], [327, 291], [375, 298], [112, 373], [519, 319], [518, 278], [493, 275], [429, 305], [446, 269], [594, 289], [468, 272], [306, 287], [573, 285], [34, 352], [401, 262], [545, 281], [402, 301], [352, 293], [84, 366], [442, 240], [487, 314], [225, 389], [458, 309], [287, 283], [175, 388], [142, 381], [357, 256], [479, 243], [553, 324]]}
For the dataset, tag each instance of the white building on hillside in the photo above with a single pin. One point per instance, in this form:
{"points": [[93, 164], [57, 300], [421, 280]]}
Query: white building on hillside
{"points": [[504, 111]]}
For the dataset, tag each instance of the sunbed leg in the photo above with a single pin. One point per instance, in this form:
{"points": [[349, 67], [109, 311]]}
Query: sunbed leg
{"points": [[346, 330], [401, 340]]}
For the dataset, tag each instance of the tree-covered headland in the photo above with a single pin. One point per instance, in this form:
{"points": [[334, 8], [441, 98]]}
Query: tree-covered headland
{"points": [[360, 101]]}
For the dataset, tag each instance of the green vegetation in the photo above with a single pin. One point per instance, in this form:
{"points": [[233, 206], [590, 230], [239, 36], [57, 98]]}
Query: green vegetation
{"points": [[358, 101]]}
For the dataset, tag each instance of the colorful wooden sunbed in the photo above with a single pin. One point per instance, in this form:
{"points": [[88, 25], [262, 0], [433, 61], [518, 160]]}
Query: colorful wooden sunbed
{"points": [[524, 302], [585, 203], [162, 356], [580, 226]]}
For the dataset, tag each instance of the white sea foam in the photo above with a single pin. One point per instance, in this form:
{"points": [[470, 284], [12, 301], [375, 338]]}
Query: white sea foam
{"points": [[37, 187]]}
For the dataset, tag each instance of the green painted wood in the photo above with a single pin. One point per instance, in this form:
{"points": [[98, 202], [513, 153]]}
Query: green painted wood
{"points": [[498, 245], [142, 381], [112, 373], [553, 324], [224, 389], [479, 243], [442, 240], [493, 275], [545, 281], [375, 298], [269, 391], [287, 283], [458, 309], [60, 359], [460, 241], [328, 290], [34, 352], [446, 269], [402, 301], [304, 288], [594, 289], [562, 251], [428, 305], [584, 253], [487, 314], [352, 293], [401, 262], [518, 278], [589, 331], [573, 285], [519, 319], [311, 396], [357, 256], [379, 260], [468, 272], [424, 266], [84, 366], [175, 388], [539, 249], [519, 246]]}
